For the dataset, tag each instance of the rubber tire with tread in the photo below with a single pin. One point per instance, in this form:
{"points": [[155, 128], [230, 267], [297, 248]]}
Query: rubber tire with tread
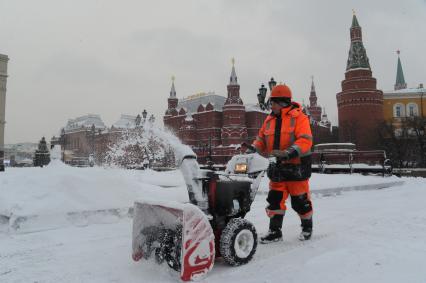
{"points": [[228, 237]]}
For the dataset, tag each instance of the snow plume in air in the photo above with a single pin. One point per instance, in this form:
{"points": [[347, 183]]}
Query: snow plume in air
{"points": [[144, 147]]}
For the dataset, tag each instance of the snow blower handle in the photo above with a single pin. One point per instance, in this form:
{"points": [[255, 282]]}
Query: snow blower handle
{"points": [[249, 148]]}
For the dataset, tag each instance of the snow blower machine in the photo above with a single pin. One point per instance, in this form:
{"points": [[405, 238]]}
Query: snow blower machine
{"points": [[188, 237]]}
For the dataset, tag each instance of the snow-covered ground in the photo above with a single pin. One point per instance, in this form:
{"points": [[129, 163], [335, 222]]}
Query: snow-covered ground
{"points": [[64, 224]]}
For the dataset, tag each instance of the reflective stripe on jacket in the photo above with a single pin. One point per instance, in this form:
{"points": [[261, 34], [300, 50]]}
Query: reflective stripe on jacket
{"points": [[295, 132]]}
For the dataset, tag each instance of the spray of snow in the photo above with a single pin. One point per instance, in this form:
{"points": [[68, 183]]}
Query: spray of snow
{"points": [[143, 146], [149, 144], [188, 165]]}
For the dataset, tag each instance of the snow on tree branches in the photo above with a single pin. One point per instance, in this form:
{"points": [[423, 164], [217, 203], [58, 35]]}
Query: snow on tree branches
{"points": [[142, 147]]}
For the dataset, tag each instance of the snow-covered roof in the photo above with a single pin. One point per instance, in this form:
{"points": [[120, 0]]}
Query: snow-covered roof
{"points": [[192, 102], [85, 121], [255, 108], [408, 91], [125, 122]]}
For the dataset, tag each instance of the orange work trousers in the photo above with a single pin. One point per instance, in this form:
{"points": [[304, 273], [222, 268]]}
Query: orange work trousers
{"points": [[279, 192]]}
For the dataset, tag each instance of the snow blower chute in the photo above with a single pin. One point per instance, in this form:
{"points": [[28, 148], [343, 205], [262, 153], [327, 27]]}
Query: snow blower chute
{"points": [[188, 237]]}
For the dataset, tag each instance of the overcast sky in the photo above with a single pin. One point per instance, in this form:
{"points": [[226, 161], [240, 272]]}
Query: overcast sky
{"points": [[71, 58]]}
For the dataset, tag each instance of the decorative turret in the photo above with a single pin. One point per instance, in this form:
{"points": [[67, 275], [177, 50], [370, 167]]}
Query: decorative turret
{"points": [[233, 88], [171, 111], [400, 81], [324, 115], [313, 94], [234, 129], [313, 108], [324, 120], [172, 101]]}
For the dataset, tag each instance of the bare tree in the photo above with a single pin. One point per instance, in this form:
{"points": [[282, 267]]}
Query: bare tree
{"points": [[404, 141], [394, 141], [416, 128]]}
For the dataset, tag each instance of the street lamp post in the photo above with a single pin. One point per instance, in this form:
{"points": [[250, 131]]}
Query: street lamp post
{"points": [[272, 83], [262, 94], [261, 97]]}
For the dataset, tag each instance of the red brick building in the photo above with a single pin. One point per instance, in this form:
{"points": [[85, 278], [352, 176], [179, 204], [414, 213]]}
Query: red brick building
{"points": [[212, 124], [88, 136], [360, 103], [215, 125]]}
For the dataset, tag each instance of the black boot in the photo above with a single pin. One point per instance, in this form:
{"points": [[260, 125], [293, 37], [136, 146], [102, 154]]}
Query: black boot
{"points": [[274, 234], [306, 229]]}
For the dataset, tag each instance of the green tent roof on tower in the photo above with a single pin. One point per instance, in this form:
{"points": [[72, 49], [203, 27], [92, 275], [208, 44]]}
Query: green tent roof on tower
{"points": [[355, 23], [357, 54], [400, 81]]}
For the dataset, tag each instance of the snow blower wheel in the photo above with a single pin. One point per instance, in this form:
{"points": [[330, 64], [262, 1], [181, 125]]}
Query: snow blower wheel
{"points": [[238, 242], [169, 248]]}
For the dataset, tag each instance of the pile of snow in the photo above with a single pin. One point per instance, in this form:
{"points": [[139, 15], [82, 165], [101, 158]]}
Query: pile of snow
{"points": [[59, 195]]}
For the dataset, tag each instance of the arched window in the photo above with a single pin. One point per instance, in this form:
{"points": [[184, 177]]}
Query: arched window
{"points": [[412, 109], [398, 110]]}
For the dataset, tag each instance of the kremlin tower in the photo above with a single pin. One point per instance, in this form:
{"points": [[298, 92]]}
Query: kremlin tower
{"points": [[360, 103]]}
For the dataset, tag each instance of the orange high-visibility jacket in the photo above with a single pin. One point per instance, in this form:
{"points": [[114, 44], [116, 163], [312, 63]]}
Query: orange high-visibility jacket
{"points": [[295, 132]]}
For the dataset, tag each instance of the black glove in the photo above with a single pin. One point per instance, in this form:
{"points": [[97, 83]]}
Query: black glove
{"points": [[249, 148], [285, 155], [280, 154]]}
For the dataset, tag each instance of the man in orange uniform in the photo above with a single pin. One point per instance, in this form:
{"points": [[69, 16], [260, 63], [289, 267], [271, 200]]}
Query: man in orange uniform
{"points": [[286, 134]]}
